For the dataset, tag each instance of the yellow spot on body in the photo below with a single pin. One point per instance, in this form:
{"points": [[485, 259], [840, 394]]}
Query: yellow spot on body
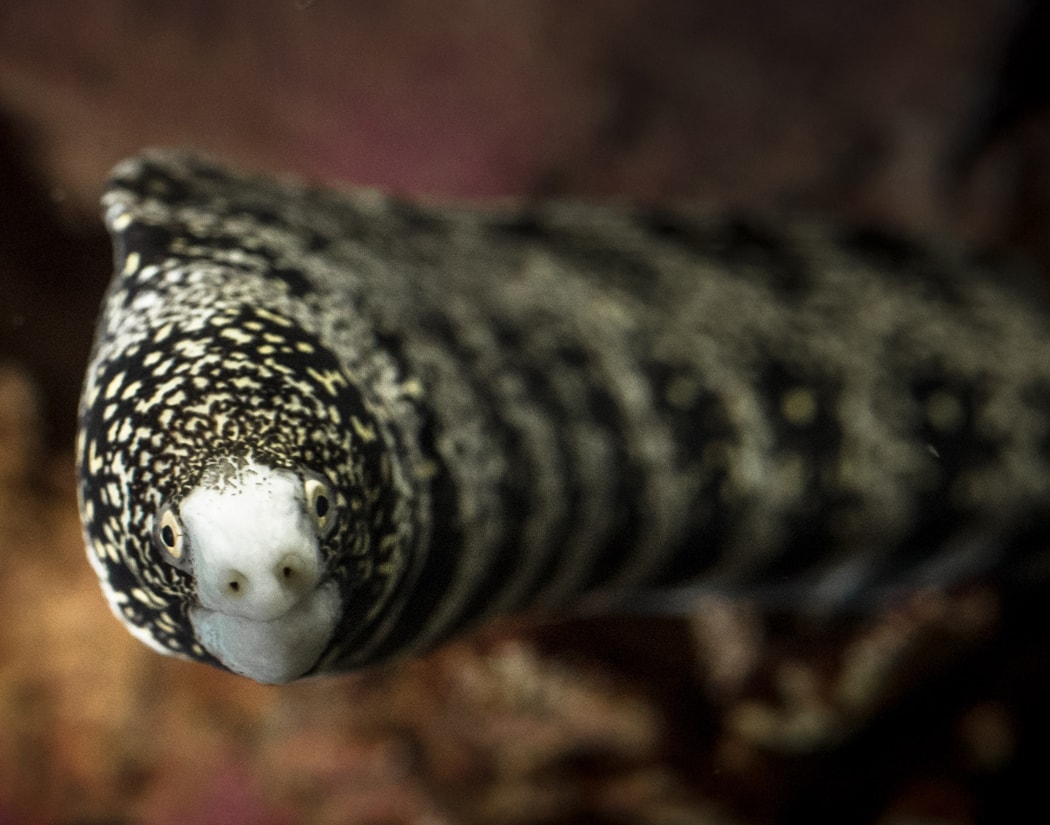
{"points": [[140, 595], [303, 346], [329, 379], [413, 388], [426, 470], [225, 426], [112, 493], [799, 406], [944, 412], [364, 432], [130, 390], [94, 459], [113, 386], [237, 335], [272, 317], [121, 222], [164, 622], [132, 263], [111, 551]]}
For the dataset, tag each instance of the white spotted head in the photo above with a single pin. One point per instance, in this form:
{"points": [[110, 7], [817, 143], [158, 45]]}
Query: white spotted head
{"points": [[217, 379]]}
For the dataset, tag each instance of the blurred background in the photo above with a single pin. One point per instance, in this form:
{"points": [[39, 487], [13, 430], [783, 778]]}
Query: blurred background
{"points": [[924, 116]]}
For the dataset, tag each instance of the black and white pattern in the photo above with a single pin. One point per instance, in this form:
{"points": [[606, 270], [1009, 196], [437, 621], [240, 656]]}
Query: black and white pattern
{"points": [[507, 410]]}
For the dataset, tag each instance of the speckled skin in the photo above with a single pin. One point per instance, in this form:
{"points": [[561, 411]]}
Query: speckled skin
{"points": [[520, 407]]}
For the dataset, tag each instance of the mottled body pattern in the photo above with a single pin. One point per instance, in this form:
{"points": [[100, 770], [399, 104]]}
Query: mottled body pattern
{"points": [[517, 407]]}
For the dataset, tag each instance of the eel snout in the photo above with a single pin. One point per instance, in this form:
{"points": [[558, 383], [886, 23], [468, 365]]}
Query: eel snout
{"points": [[264, 608]]}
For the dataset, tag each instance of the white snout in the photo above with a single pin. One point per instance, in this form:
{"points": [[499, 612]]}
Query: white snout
{"points": [[263, 610], [255, 552]]}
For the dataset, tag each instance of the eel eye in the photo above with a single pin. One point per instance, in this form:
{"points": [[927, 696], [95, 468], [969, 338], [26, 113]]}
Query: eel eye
{"points": [[320, 504], [168, 536]]}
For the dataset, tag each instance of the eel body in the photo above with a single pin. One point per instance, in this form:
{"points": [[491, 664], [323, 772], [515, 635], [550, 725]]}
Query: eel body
{"points": [[322, 429]]}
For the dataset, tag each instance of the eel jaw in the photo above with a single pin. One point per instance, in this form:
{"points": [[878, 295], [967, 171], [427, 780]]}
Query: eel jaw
{"points": [[275, 651], [264, 607]]}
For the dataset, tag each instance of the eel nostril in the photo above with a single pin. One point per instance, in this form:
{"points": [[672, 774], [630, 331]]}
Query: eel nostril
{"points": [[236, 584], [292, 572]]}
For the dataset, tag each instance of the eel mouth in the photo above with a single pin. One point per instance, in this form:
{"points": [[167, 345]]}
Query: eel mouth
{"points": [[272, 651]]}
